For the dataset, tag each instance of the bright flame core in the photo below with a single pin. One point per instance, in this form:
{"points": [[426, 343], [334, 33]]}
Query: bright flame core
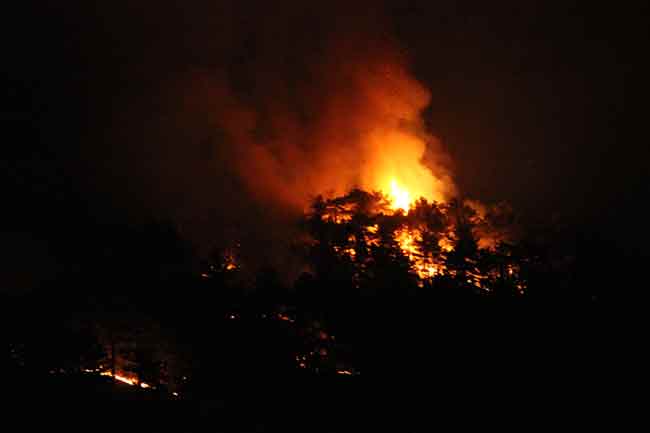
{"points": [[123, 379], [400, 198], [394, 163]]}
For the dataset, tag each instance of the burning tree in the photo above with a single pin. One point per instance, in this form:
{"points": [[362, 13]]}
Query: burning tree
{"points": [[373, 241]]}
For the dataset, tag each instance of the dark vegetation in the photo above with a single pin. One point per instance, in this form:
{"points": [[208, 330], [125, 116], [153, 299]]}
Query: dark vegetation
{"points": [[249, 354]]}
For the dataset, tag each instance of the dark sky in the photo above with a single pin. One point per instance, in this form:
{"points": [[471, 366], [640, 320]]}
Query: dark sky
{"points": [[538, 103]]}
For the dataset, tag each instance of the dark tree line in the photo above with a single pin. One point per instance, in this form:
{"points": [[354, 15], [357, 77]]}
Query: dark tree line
{"points": [[139, 304], [466, 279]]}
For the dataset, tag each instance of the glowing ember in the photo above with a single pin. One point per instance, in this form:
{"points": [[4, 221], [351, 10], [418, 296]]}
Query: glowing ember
{"points": [[428, 234], [124, 379], [446, 245], [230, 261], [424, 266], [406, 239], [285, 318]]}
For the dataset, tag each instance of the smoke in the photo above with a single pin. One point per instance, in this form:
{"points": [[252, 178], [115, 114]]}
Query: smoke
{"points": [[347, 117], [269, 110], [494, 223]]}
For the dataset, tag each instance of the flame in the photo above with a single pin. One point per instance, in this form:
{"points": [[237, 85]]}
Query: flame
{"points": [[394, 163], [400, 198], [123, 379], [424, 266], [365, 130], [406, 239], [416, 234]]}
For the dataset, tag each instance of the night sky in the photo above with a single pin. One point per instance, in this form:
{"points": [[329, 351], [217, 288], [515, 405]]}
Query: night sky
{"points": [[539, 104]]}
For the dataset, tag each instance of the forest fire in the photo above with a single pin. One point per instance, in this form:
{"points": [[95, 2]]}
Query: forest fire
{"points": [[207, 212], [123, 379], [423, 265], [460, 240]]}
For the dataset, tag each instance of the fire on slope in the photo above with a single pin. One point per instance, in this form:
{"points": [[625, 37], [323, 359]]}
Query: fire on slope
{"points": [[428, 234], [124, 378]]}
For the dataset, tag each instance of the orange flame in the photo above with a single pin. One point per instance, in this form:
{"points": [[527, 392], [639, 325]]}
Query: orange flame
{"points": [[425, 267], [400, 198], [124, 379]]}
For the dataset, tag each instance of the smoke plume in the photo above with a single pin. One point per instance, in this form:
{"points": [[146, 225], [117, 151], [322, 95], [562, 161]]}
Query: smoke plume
{"points": [[273, 109]]}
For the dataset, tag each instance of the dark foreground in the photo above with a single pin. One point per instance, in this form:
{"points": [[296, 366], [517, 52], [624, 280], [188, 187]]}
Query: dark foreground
{"points": [[526, 378]]}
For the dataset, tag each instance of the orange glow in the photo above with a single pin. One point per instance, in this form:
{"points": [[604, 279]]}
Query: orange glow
{"points": [[424, 266], [406, 239], [366, 128], [400, 178], [230, 261], [394, 164], [119, 377], [446, 244], [124, 379], [285, 318], [399, 197]]}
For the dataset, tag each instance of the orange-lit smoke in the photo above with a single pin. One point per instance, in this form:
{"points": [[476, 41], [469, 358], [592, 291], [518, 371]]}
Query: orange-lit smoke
{"points": [[259, 113], [349, 117]]}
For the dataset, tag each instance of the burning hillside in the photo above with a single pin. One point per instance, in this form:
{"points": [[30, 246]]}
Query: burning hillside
{"points": [[294, 119], [432, 240]]}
